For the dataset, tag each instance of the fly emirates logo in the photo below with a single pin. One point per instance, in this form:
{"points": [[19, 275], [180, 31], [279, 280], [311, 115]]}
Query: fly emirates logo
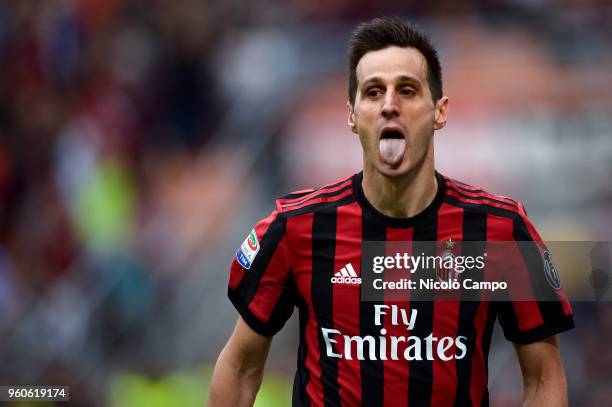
{"points": [[383, 347]]}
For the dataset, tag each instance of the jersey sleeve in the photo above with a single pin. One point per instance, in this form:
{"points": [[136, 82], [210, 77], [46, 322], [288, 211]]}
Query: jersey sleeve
{"points": [[260, 284], [546, 311]]}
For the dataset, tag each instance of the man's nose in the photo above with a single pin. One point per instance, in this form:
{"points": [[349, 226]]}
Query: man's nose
{"points": [[390, 107]]}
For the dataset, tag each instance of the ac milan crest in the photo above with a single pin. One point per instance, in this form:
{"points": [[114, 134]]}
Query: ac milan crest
{"points": [[445, 265]]}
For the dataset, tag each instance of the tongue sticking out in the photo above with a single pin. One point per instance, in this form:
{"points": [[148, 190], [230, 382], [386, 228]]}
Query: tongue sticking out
{"points": [[391, 150]]}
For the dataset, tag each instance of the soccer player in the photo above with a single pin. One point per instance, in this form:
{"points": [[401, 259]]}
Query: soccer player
{"points": [[307, 254]]}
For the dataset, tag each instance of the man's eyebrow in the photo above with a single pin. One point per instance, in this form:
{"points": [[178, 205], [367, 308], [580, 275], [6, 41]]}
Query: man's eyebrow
{"points": [[408, 79], [371, 81], [398, 79]]}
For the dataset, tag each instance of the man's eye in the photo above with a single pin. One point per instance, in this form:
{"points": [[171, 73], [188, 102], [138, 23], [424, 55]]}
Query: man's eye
{"points": [[407, 91], [373, 93]]}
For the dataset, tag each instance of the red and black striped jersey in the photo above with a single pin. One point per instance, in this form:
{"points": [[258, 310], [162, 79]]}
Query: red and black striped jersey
{"points": [[307, 254]]}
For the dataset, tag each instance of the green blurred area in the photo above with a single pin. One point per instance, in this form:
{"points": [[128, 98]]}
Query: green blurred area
{"points": [[105, 206], [187, 389]]}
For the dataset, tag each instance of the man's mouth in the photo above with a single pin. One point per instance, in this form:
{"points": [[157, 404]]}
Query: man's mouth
{"points": [[391, 134], [391, 146]]}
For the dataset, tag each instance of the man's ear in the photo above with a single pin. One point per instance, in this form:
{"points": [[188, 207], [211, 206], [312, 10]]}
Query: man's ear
{"points": [[441, 113], [351, 117]]}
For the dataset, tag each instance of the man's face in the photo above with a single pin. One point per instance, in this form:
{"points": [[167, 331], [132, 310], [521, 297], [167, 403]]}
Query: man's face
{"points": [[394, 113]]}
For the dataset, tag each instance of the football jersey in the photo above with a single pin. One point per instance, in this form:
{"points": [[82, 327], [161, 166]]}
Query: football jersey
{"points": [[353, 352]]}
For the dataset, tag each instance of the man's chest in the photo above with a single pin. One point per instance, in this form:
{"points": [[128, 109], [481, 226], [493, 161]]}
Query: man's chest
{"points": [[334, 274]]}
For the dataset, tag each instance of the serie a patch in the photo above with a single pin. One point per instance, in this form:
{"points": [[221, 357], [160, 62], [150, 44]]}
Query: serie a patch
{"points": [[248, 250]]}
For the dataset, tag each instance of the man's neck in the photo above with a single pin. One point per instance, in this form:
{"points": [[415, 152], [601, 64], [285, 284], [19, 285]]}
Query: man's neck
{"points": [[401, 197]]}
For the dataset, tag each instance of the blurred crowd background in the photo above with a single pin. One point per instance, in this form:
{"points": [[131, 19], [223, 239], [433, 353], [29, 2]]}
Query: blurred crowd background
{"points": [[141, 140]]}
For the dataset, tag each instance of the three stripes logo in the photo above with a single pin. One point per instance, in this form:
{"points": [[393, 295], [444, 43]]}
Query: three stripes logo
{"points": [[346, 275]]}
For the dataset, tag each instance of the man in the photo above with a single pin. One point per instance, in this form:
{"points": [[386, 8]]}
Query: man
{"points": [[308, 253]]}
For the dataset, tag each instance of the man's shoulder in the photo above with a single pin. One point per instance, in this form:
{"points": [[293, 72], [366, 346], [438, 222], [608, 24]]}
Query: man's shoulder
{"points": [[478, 199], [335, 193]]}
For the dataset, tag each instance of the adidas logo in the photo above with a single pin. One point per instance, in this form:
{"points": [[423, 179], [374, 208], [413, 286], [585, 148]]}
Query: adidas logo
{"points": [[346, 275]]}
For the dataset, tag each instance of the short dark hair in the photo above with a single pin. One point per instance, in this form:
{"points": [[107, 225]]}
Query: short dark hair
{"points": [[384, 32]]}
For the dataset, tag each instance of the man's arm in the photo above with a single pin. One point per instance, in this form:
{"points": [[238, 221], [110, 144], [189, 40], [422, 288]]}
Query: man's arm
{"points": [[543, 375], [239, 369]]}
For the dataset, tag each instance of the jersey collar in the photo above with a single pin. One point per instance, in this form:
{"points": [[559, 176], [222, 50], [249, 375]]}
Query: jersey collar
{"points": [[425, 215]]}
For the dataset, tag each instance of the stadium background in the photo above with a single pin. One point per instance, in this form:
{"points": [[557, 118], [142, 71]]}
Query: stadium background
{"points": [[140, 140]]}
